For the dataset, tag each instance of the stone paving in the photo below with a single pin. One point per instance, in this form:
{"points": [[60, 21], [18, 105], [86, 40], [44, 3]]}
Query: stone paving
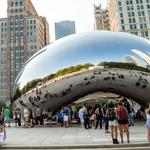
{"points": [[74, 135]]}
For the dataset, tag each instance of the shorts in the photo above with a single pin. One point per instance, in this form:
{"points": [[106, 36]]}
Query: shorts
{"points": [[113, 122], [59, 120], [148, 123], [26, 119], [6, 118], [123, 122], [65, 118], [38, 118], [49, 118], [81, 120]]}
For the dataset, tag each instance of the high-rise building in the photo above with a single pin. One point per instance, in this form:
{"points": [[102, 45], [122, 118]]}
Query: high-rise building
{"points": [[64, 28], [101, 18], [23, 33], [132, 59], [132, 16]]}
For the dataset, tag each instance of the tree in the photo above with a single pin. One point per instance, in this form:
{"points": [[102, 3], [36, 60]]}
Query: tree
{"points": [[2, 105]]}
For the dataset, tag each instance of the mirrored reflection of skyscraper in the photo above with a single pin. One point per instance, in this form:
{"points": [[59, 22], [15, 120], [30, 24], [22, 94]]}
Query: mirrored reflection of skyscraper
{"points": [[23, 32], [64, 28]]}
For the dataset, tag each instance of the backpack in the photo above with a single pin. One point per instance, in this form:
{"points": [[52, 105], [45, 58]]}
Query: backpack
{"points": [[122, 113], [111, 114]]}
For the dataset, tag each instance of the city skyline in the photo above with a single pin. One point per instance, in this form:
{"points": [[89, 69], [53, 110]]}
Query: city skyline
{"points": [[80, 11]]}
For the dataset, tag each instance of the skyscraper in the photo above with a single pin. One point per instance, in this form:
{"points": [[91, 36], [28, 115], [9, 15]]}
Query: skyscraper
{"points": [[64, 28], [132, 16], [23, 32], [101, 18]]}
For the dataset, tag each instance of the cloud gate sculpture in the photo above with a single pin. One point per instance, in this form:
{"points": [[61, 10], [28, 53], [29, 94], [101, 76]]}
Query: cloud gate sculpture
{"points": [[77, 65]]}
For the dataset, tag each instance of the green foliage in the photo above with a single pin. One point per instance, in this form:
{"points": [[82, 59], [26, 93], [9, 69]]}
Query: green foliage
{"points": [[131, 66], [2, 105], [49, 77], [72, 69], [30, 85]]}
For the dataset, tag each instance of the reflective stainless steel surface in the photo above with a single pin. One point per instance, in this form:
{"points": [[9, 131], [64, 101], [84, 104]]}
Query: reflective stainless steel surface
{"points": [[91, 47]]}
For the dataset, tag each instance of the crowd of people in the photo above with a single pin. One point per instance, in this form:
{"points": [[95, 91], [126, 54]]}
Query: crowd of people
{"points": [[116, 117]]}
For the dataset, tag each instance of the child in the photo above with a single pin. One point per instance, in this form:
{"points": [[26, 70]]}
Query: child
{"points": [[2, 129], [2, 134]]}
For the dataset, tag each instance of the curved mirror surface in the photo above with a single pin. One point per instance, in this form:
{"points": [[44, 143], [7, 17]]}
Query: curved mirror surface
{"points": [[91, 47]]}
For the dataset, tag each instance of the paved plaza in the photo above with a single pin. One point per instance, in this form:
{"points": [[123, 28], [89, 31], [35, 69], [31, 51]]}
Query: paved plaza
{"points": [[71, 136]]}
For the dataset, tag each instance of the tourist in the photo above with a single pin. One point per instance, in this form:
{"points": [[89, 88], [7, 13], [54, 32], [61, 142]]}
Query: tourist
{"points": [[113, 123], [123, 121], [49, 117], [19, 116], [147, 111], [38, 116], [80, 115], [99, 116], [15, 112], [59, 118], [7, 116], [2, 128], [26, 117], [70, 112], [86, 119], [43, 120], [92, 117], [31, 118], [65, 117], [105, 117], [128, 107]]}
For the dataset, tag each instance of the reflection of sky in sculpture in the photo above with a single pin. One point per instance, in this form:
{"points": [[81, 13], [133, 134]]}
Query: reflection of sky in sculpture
{"points": [[92, 47]]}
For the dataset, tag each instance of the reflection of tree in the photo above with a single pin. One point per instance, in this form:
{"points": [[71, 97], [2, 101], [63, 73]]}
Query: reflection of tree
{"points": [[49, 77], [131, 66], [72, 69], [30, 85], [65, 71]]}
